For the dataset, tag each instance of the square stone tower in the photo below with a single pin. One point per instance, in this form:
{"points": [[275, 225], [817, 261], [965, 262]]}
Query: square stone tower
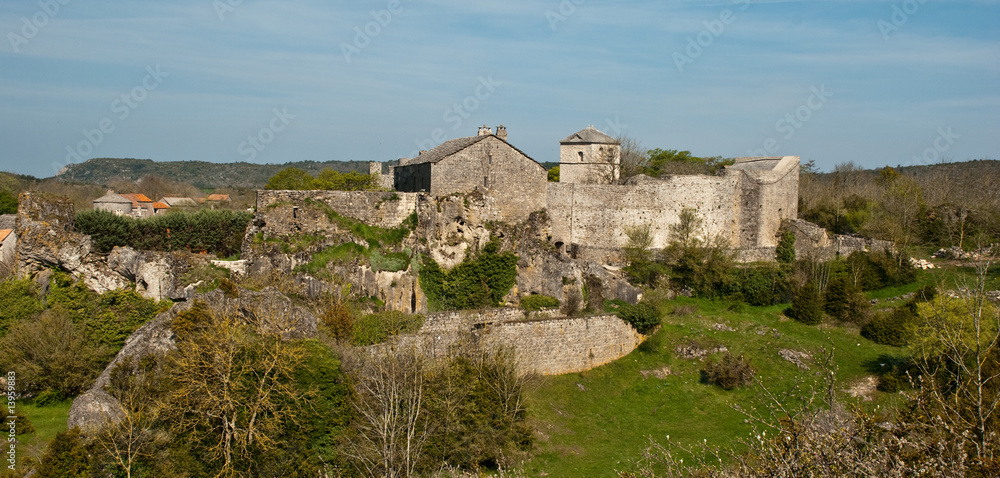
{"points": [[589, 156]]}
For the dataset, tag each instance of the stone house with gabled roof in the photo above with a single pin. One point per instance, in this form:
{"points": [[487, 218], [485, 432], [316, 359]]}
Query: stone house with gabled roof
{"points": [[113, 202], [514, 183]]}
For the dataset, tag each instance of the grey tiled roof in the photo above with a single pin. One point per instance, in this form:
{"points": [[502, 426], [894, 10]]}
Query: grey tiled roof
{"points": [[446, 149], [589, 135], [113, 198]]}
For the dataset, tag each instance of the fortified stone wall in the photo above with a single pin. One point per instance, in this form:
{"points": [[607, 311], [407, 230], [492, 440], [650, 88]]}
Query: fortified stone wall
{"points": [[595, 217], [543, 345], [376, 208], [745, 206]]}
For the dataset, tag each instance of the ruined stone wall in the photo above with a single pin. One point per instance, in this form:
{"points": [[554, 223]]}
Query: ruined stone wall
{"points": [[546, 345], [595, 217], [514, 182], [745, 206], [296, 210]]}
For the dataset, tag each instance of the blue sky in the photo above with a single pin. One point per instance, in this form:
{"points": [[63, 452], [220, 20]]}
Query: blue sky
{"points": [[874, 82]]}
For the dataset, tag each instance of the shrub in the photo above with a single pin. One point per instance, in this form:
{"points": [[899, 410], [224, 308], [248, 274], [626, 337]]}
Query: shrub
{"points": [[479, 282], [50, 353], [758, 286], [807, 306], [18, 300], [785, 252], [376, 328], [890, 328], [846, 303], [48, 398], [538, 301], [216, 231], [730, 373], [642, 317], [338, 319]]}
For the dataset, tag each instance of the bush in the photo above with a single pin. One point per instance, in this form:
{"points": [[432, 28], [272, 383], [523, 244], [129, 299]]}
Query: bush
{"points": [[538, 301], [757, 286], [730, 373], [376, 328], [846, 303], [890, 328], [479, 282], [50, 353], [217, 231], [642, 317], [48, 398], [18, 300], [807, 306], [785, 252]]}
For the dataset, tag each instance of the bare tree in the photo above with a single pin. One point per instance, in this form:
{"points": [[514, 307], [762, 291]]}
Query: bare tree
{"points": [[391, 429], [957, 346], [620, 164]]}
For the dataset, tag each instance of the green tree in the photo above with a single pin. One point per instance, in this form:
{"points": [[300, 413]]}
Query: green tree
{"points": [[18, 300], [67, 456], [290, 178], [642, 317], [8, 202], [50, 353], [330, 179], [807, 307], [553, 174]]}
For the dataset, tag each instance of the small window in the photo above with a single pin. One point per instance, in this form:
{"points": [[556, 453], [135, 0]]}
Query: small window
{"points": [[581, 156]]}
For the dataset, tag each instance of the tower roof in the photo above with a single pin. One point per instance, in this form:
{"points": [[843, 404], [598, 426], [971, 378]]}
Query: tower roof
{"points": [[589, 135]]}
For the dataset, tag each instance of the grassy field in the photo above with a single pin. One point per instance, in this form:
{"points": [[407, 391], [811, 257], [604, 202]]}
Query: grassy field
{"points": [[596, 422], [47, 422]]}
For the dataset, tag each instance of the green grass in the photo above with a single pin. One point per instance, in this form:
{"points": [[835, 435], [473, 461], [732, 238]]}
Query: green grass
{"points": [[603, 426], [47, 422]]}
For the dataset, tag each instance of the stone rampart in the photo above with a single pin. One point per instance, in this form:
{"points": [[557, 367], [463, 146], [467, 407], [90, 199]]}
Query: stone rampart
{"points": [[543, 344]]}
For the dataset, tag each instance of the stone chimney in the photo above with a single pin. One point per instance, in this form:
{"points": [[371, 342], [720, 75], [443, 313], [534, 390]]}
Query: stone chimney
{"points": [[502, 132], [484, 131]]}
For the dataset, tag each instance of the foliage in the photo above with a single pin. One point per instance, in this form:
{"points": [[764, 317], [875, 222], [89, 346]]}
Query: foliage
{"points": [[808, 305], [324, 422], [216, 231], [479, 282], [643, 317], [661, 162], [729, 373], [327, 179], [891, 328], [758, 285], [846, 302], [18, 300], [553, 174], [48, 398], [50, 353], [232, 394], [376, 328], [879, 269], [8, 202], [785, 251], [535, 302], [641, 269], [67, 456], [290, 178], [339, 321], [476, 408]]}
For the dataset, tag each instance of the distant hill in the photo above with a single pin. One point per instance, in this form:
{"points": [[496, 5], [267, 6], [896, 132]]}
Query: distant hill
{"points": [[201, 174]]}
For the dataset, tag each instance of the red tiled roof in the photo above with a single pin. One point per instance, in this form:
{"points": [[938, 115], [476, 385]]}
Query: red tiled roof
{"points": [[217, 197], [161, 205], [137, 197], [4, 233]]}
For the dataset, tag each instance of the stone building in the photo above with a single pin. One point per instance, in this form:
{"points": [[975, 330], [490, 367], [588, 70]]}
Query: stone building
{"points": [[113, 202], [485, 162], [589, 156]]}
